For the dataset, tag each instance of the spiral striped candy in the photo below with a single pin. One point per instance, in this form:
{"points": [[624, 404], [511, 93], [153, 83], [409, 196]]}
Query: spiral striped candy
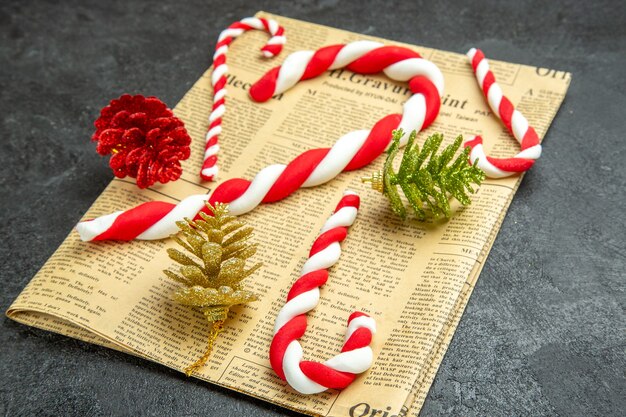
{"points": [[314, 167], [514, 121], [286, 352], [218, 81]]}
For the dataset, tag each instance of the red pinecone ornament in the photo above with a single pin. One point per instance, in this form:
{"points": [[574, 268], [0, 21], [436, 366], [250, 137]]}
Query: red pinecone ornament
{"points": [[145, 138]]}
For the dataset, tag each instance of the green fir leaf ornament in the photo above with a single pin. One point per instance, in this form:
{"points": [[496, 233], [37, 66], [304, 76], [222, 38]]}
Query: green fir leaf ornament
{"points": [[426, 178]]}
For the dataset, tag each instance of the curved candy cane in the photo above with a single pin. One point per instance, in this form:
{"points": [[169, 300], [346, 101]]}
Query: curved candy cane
{"points": [[514, 121], [286, 352], [314, 167], [218, 81]]}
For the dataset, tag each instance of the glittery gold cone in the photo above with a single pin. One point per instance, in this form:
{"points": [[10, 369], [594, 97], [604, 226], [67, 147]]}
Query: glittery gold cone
{"points": [[211, 277]]}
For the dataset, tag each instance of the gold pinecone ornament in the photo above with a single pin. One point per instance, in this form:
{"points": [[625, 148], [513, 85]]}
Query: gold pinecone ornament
{"points": [[211, 277]]}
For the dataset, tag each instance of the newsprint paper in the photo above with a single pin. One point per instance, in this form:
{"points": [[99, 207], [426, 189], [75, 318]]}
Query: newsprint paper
{"points": [[414, 278]]}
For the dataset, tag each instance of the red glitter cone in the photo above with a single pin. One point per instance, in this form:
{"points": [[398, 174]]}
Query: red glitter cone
{"points": [[145, 138]]}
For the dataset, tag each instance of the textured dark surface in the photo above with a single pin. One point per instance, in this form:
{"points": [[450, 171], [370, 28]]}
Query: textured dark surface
{"points": [[545, 330]]}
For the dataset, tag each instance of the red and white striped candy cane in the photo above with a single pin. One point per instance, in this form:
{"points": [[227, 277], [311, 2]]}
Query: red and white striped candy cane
{"points": [[218, 80], [286, 352], [148, 221], [514, 121], [157, 220]]}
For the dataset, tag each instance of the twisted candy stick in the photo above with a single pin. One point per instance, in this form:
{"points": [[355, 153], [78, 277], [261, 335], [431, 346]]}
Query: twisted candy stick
{"points": [[156, 220], [286, 352], [148, 221], [218, 81], [514, 121]]}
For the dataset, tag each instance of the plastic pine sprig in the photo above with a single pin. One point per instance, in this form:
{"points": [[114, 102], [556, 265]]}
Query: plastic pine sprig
{"points": [[211, 277], [427, 179]]}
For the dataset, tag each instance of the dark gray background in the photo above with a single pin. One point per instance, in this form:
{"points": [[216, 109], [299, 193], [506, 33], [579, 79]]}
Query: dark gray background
{"points": [[545, 330]]}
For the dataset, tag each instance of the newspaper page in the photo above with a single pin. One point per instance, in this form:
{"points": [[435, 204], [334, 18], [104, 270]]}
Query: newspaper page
{"points": [[414, 278]]}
